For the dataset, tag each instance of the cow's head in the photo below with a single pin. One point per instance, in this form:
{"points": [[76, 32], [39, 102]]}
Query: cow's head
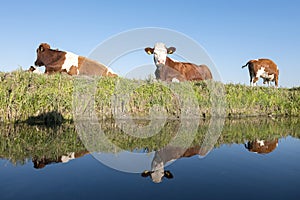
{"points": [[160, 52], [157, 176], [158, 171], [41, 54]]}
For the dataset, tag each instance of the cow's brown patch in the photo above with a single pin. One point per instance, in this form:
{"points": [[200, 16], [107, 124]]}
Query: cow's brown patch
{"points": [[73, 70], [189, 71]]}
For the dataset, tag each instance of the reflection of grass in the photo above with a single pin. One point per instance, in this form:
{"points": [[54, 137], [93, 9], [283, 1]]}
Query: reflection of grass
{"points": [[26, 95], [126, 141], [20, 142]]}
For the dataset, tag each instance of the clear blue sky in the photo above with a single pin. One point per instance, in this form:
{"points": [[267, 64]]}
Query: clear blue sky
{"points": [[232, 32]]}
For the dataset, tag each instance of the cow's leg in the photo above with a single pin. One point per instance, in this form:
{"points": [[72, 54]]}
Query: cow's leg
{"points": [[255, 81], [266, 81], [252, 75], [276, 81], [251, 80]]}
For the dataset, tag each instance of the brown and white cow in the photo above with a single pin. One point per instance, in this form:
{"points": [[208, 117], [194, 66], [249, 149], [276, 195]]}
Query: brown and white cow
{"points": [[61, 61], [169, 154], [40, 163], [264, 68], [170, 70], [262, 146]]}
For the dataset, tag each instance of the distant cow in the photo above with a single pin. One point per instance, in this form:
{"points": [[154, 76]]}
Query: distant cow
{"points": [[264, 68], [61, 61], [170, 70], [168, 154], [262, 146]]}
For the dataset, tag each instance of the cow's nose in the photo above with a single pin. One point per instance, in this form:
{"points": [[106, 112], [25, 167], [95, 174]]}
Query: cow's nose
{"points": [[37, 64], [160, 61]]}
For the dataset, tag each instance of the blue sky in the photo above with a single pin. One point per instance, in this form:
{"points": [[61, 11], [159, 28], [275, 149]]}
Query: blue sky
{"points": [[232, 32]]}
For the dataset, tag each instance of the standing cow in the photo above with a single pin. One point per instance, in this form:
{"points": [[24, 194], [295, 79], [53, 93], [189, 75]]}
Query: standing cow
{"points": [[170, 70], [62, 61], [264, 68]]}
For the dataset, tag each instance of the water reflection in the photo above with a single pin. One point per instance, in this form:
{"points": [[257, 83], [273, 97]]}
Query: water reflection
{"points": [[20, 143], [262, 146], [23, 143], [41, 162], [169, 154]]}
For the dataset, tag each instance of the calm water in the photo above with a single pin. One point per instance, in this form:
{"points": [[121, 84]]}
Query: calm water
{"points": [[251, 158]]}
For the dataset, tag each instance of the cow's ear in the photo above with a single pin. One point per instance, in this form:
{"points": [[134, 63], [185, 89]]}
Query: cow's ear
{"points": [[168, 174], [149, 50], [41, 48], [146, 173], [171, 50]]}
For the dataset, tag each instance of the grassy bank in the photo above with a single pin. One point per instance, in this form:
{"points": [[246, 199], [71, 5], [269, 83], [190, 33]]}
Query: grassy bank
{"points": [[50, 99]]}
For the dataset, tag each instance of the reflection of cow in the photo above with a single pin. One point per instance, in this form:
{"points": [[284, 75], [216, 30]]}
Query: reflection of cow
{"points": [[39, 163], [262, 146], [168, 154]]}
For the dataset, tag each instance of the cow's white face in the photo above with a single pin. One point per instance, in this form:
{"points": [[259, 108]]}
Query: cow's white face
{"points": [[160, 52], [158, 172]]}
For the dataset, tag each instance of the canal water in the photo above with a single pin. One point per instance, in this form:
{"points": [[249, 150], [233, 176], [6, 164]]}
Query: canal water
{"points": [[240, 159]]}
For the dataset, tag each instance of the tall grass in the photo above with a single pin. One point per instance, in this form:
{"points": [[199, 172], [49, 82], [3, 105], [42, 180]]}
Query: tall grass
{"points": [[25, 96]]}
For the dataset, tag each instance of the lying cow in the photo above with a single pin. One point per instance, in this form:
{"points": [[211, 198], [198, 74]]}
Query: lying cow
{"points": [[264, 68], [42, 162], [262, 146], [61, 61], [170, 70], [168, 154]]}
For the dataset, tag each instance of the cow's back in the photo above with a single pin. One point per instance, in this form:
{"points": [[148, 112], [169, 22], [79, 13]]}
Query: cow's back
{"points": [[267, 63], [91, 67], [194, 72], [206, 73]]}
